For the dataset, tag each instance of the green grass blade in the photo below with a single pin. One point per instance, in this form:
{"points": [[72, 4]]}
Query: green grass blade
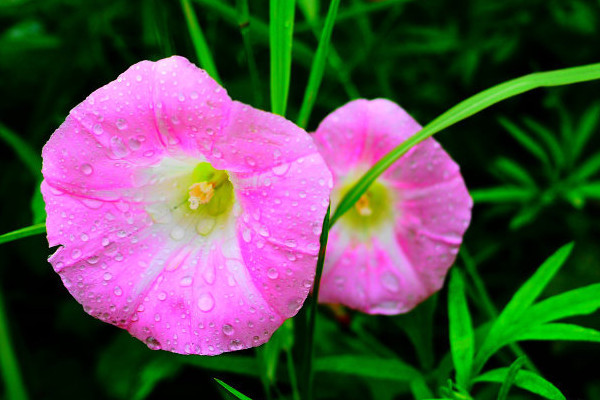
{"points": [[502, 194], [318, 65], [525, 380], [30, 158], [512, 170], [307, 370], [559, 331], [236, 393], [511, 375], [463, 110], [581, 301], [548, 137], [281, 32], [525, 141], [9, 366], [591, 190], [23, 233], [244, 24], [368, 367], [518, 305], [202, 50], [589, 122], [462, 339], [589, 168]]}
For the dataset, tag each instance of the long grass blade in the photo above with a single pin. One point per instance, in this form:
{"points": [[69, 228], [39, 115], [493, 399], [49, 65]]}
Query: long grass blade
{"points": [[463, 110], [9, 366], [511, 375], [202, 50], [559, 331], [244, 24], [281, 31], [23, 233], [525, 380], [462, 338], [318, 65], [30, 158], [235, 392]]}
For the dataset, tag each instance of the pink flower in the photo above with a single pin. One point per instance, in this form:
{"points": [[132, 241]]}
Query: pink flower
{"points": [[393, 249], [189, 219]]}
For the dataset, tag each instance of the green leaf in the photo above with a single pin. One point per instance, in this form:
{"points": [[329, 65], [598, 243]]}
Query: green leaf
{"points": [[23, 233], [152, 374], [518, 305], [233, 391], [502, 194], [559, 331], [589, 122], [281, 28], [524, 140], [461, 111], [514, 171], [591, 190], [30, 158], [581, 301], [524, 380], [590, 167], [510, 378], [202, 50], [548, 137], [368, 367], [318, 65], [462, 339], [38, 206], [243, 18]]}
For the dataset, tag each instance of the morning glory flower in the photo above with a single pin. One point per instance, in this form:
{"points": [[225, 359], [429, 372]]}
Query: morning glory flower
{"points": [[393, 248], [184, 217]]}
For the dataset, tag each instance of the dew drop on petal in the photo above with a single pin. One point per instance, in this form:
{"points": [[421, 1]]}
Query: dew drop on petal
{"points": [[236, 345], [228, 329], [272, 273], [75, 254], [390, 282], [97, 129], [177, 233], [107, 276], [206, 302], [117, 291], [121, 124], [86, 169], [186, 281], [162, 296], [152, 343]]}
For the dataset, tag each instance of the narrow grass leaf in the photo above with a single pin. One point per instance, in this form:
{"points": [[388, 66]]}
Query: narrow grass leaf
{"points": [[243, 18], [462, 339], [281, 30], [368, 367], [463, 110], [512, 170], [525, 141], [549, 138], [202, 50], [511, 375], [525, 380], [581, 301], [590, 190], [318, 65], [502, 194], [236, 393], [587, 126], [23, 233], [10, 372], [518, 305], [559, 331], [28, 156], [589, 168]]}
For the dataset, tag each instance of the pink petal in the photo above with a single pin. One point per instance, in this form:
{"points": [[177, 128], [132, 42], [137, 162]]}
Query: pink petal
{"points": [[132, 257], [406, 259]]}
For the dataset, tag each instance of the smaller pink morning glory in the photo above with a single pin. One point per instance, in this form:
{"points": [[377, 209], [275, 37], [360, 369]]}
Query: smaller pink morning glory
{"points": [[393, 248], [184, 217]]}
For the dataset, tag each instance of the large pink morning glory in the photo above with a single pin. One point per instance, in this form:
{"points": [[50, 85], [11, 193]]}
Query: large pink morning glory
{"points": [[189, 219], [393, 248]]}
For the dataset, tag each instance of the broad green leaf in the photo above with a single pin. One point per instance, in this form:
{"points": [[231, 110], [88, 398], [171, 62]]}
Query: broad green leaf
{"points": [[202, 50], [581, 301], [502, 194], [587, 126], [525, 141], [525, 380], [233, 391], [281, 31], [30, 157], [510, 378], [518, 305], [368, 367], [549, 138], [318, 66], [512, 170], [462, 340], [461, 111], [559, 331], [23, 233]]}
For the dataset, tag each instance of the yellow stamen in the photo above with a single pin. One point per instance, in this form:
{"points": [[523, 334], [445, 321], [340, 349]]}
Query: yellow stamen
{"points": [[200, 193], [363, 206]]}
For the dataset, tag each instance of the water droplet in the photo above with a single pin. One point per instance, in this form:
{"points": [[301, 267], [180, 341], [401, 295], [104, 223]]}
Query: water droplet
{"points": [[177, 233], [302, 194], [246, 235], [250, 161], [236, 345], [263, 231], [117, 291], [152, 343], [138, 78], [121, 124], [186, 281], [210, 131], [205, 226], [194, 95], [84, 237], [390, 282], [294, 305], [290, 243], [228, 329], [307, 283], [86, 169], [162, 296], [107, 276], [206, 302], [118, 147], [181, 97], [97, 129], [134, 144], [281, 169], [76, 254], [272, 273], [209, 273]]}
